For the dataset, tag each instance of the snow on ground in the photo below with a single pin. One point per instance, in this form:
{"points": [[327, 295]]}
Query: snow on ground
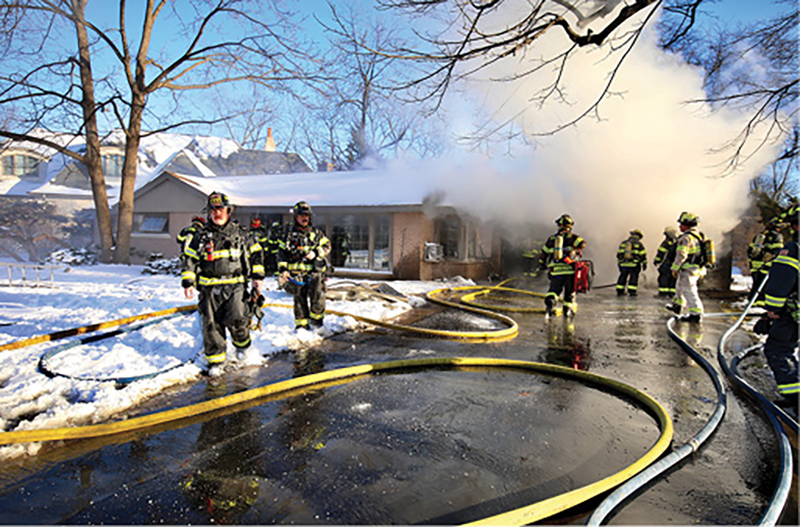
{"points": [[94, 294]]}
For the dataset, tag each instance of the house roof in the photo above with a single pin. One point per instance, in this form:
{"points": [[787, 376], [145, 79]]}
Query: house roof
{"points": [[191, 155], [320, 189]]}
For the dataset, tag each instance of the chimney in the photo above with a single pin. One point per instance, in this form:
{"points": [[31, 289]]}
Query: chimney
{"points": [[269, 146]]}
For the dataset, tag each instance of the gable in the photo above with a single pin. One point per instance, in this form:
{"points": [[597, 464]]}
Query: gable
{"points": [[181, 164], [166, 193], [74, 175], [256, 162]]}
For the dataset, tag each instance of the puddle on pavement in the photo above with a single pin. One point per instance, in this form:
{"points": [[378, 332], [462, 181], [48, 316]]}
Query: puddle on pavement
{"points": [[458, 444]]}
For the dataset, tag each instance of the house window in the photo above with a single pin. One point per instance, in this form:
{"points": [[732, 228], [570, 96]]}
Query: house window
{"points": [[20, 165], [112, 166], [360, 241], [150, 223], [460, 238], [447, 233]]}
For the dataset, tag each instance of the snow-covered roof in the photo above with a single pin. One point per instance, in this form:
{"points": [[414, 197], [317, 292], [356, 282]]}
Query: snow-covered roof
{"points": [[17, 187], [321, 189], [205, 156], [50, 189]]}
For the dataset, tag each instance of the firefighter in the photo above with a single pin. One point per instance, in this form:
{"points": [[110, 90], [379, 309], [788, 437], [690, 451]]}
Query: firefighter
{"points": [[559, 255], [303, 265], [259, 231], [781, 318], [221, 259], [184, 237], [631, 259], [340, 247], [688, 268], [272, 246], [760, 254], [665, 255]]}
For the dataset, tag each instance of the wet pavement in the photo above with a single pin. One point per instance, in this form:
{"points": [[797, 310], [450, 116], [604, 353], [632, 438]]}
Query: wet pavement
{"points": [[431, 446]]}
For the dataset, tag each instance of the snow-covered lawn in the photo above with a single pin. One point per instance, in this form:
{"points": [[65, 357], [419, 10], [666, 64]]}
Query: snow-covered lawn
{"points": [[99, 293]]}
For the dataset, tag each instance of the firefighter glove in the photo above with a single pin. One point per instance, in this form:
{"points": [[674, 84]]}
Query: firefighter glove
{"points": [[762, 326]]}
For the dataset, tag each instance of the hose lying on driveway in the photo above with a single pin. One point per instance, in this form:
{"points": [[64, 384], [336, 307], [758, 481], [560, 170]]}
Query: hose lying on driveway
{"points": [[619, 495], [524, 515], [781, 494]]}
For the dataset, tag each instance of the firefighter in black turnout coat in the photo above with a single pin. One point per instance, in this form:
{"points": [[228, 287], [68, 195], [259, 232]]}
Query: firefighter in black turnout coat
{"points": [[631, 260], [781, 318], [665, 255], [559, 255], [303, 265], [761, 252], [220, 260]]}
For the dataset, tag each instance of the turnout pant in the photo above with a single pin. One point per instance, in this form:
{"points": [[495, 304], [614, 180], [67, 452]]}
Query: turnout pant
{"points": [[666, 282], [309, 300], [559, 283], [628, 276], [686, 294], [222, 308], [779, 350]]}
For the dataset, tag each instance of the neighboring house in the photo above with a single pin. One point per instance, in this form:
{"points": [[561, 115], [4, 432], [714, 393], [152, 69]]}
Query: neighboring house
{"points": [[396, 227], [29, 170]]}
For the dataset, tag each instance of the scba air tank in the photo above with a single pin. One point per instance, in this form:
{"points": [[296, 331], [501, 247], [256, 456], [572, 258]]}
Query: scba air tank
{"points": [[628, 251], [558, 250], [711, 255]]}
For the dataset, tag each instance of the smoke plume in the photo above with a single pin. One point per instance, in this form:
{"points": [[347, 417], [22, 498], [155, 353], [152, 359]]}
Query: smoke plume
{"points": [[650, 157]]}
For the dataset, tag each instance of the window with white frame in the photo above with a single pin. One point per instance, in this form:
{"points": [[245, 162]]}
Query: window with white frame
{"points": [[151, 223], [112, 166], [20, 165]]}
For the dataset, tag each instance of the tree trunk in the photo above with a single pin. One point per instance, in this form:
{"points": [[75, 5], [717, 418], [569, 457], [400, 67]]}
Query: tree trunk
{"points": [[122, 251], [92, 160]]}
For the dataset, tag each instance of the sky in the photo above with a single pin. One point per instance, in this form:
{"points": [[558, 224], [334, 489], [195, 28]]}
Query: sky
{"points": [[92, 294]]}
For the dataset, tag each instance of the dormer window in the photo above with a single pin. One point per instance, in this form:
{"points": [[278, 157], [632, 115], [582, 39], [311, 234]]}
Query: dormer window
{"points": [[20, 165], [112, 166]]}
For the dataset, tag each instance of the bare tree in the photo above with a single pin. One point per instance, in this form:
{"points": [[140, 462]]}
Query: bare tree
{"points": [[360, 107], [216, 42], [768, 93], [31, 224], [778, 183], [473, 39], [31, 86]]}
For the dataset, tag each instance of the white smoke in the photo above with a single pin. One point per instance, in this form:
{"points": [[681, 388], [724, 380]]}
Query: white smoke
{"points": [[651, 156]]}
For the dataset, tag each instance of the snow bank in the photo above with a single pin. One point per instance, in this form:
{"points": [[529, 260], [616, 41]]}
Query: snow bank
{"points": [[100, 293]]}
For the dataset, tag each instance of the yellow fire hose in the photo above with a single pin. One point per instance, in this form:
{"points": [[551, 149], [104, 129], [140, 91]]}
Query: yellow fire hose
{"points": [[17, 344], [509, 332], [521, 516], [469, 299]]}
